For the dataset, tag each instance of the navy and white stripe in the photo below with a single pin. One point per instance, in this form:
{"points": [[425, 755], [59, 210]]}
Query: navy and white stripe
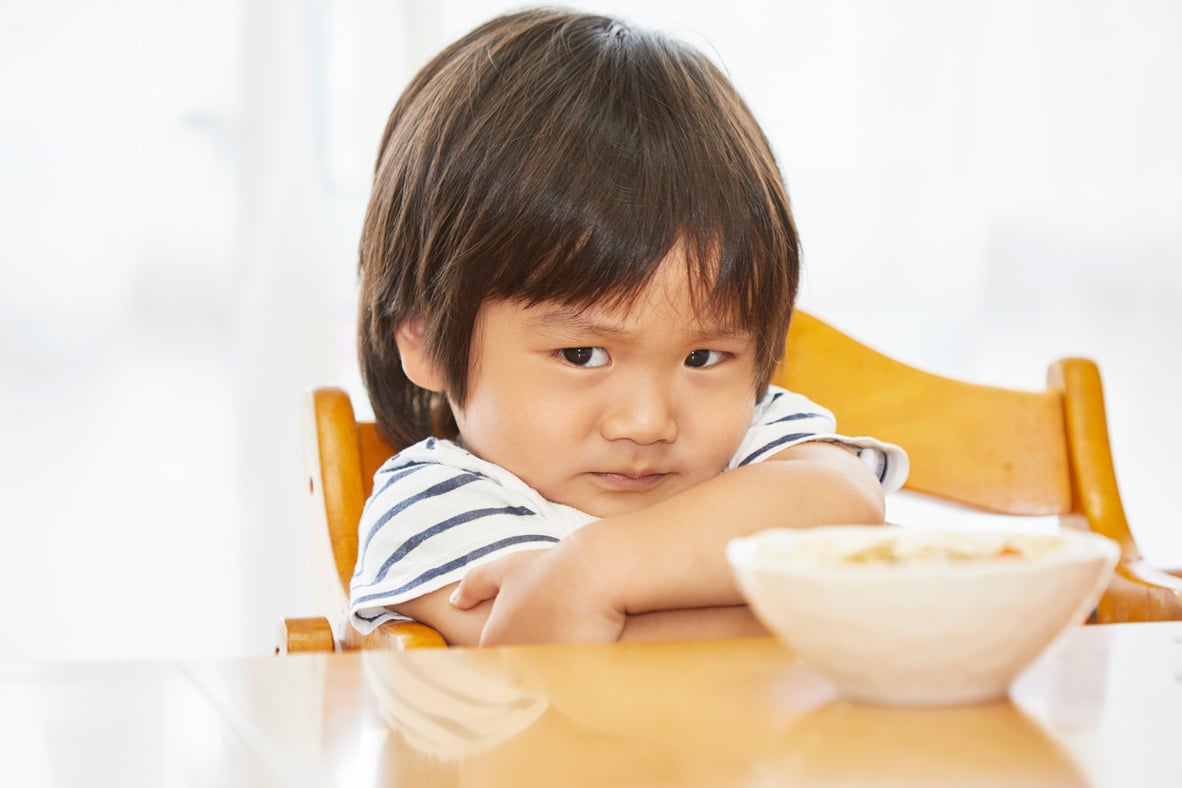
{"points": [[784, 419], [438, 509]]}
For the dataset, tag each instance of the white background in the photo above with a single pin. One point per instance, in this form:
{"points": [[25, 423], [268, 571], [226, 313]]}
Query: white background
{"points": [[980, 188]]}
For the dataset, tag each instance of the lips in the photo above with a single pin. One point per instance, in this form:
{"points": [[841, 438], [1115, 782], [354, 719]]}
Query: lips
{"points": [[631, 482]]}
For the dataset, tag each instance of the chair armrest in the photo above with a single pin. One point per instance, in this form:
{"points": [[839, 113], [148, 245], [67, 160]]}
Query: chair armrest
{"points": [[302, 635], [400, 636], [1141, 592]]}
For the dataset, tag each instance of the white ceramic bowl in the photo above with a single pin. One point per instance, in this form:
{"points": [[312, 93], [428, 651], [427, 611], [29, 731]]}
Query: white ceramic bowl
{"points": [[903, 616]]}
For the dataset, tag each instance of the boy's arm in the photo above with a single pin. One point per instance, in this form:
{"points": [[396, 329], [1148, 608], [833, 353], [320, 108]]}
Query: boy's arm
{"points": [[458, 627], [464, 627], [699, 623], [672, 555]]}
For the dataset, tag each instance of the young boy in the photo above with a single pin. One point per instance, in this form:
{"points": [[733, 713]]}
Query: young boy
{"points": [[577, 270]]}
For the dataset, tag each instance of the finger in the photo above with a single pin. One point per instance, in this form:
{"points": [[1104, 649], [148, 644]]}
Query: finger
{"points": [[483, 582], [479, 583]]}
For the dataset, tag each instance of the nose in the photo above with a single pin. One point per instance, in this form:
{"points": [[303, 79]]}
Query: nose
{"points": [[642, 412]]}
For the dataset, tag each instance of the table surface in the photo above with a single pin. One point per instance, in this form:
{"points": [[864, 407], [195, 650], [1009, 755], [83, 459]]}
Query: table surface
{"points": [[1102, 707]]}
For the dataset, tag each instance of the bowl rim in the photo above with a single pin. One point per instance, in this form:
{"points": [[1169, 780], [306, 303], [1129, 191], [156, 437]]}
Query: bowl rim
{"points": [[745, 555]]}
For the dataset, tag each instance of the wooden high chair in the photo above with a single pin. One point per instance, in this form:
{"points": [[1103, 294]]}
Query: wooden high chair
{"points": [[992, 449]]}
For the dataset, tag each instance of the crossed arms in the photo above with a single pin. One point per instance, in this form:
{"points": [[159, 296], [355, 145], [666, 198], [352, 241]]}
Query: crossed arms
{"points": [[657, 574]]}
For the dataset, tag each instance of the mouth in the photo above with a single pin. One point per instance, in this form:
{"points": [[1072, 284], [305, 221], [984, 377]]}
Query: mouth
{"points": [[630, 482]]}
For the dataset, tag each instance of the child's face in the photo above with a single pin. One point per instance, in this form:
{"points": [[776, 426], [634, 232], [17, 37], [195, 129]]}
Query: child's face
{"points": [[609, 410]]}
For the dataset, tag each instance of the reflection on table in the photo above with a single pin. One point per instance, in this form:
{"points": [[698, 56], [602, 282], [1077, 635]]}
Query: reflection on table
{"points": [[1102, 708], [736, 713]]}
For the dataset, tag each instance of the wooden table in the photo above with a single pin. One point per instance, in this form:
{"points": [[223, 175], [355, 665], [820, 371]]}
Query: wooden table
{"points": [[1102, 708]]}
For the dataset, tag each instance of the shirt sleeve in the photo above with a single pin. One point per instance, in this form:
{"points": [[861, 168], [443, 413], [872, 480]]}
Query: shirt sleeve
{"points": [[783, 419], [426, 521]]}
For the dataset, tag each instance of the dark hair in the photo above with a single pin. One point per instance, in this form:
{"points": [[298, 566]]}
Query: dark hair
{"points": [[560, 156]]}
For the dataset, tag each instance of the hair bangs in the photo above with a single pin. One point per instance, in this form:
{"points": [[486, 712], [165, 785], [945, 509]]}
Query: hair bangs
{"points": [[635, 162]]}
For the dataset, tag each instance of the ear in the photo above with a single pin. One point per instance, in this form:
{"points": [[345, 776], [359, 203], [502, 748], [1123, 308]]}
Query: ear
{"points": [[417, 363]]}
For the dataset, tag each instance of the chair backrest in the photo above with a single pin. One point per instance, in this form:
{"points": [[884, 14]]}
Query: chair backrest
{"points": [[343, 455], [993, 449]]}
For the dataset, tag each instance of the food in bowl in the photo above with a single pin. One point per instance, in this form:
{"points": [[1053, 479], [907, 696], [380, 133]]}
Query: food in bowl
{"points": [[890, 547], [906, 616]]}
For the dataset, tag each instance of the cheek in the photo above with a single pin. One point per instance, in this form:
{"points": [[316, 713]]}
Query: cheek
{"points": [[732, 429], [730, 434], [512, 421]]}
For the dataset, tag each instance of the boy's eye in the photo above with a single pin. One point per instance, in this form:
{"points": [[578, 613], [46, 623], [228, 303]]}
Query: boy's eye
{"points": [[586, 356], [703, 358]]}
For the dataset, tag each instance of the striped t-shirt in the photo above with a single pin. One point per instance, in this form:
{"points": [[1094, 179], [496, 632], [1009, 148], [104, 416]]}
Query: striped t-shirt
{"points": [[437, 509]]}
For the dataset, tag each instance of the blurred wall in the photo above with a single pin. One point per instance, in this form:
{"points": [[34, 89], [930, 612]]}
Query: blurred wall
{"points": [[980, 188]]}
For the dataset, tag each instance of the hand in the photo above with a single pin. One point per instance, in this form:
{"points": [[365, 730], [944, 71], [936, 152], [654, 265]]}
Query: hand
{"points": [[542, 596]]}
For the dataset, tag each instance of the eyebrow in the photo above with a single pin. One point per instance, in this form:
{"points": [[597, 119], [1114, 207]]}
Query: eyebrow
{"points": [[559, 320]]}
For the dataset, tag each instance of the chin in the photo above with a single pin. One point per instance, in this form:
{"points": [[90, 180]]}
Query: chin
{"points": [[623, 504]]}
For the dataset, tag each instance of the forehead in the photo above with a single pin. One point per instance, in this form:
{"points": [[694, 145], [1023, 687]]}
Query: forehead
{"points": [[680, 285], [673, 300]]}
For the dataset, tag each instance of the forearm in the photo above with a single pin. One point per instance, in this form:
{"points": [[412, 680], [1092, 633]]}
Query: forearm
{"points": [[458, 627], [463, 627], [707, 623], [673, 555]]}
